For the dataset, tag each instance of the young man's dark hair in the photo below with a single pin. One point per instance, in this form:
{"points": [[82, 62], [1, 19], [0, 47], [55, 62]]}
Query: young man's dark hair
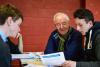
{"points": [[84, 14], [9, 10]]}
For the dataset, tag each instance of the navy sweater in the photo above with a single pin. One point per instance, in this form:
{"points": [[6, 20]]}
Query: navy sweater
{"points": [[72, 46]]}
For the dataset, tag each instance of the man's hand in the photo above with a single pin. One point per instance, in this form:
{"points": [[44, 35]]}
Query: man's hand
{"points": [[19, 35], [69, 64], [20, 41]]}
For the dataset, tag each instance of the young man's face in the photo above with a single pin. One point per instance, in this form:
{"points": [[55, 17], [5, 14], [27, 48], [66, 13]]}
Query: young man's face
{"points": [[82, 26], [14, 28], [62, 25]]}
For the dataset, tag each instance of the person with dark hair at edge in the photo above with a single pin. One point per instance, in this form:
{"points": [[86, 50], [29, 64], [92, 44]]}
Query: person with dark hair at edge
{"points": [[10, 20], [90, 29]]}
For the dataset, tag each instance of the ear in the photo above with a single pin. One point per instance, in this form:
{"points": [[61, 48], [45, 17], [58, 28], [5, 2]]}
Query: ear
{"points": [[9, 21], [90, 23]]}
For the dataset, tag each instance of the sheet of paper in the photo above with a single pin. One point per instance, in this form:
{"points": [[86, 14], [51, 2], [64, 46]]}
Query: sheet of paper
{"points": [[53, 59], [34, 65], [22, 56]]}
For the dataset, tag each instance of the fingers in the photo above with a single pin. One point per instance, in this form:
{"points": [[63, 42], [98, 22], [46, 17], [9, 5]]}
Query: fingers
{"points": [[18, 35], [66, 64], [69, 64]]}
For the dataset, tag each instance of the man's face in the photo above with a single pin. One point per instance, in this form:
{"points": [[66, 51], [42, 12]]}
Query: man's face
{"points": [[82, 26], [14, 28], [62, 25]]}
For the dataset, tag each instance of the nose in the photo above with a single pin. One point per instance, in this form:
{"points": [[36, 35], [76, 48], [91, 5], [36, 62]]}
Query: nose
{"points": [[78, 28], [19, 29], [61, 26]]}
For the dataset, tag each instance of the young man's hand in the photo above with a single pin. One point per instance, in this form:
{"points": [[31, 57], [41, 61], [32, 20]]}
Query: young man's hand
{"points": [[69, 63], [19, 35]]}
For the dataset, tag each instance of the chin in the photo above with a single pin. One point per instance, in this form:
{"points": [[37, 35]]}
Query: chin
{"points": [[83, 33], [62, 33], [13, 36]]}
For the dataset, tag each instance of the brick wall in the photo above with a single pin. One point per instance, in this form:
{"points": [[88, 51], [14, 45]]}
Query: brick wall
{"points": [[38, 15], [94, 6]]}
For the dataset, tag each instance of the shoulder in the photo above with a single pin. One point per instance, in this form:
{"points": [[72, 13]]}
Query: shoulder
{"points": [[2, 43], [54, 34], [96, 35], [75, 32], [96, 32]]}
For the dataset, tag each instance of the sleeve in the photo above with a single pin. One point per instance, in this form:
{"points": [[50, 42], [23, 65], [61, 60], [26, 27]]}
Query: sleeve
{"points": [[50, 47], [97, 47], [87, 64], [74, 47]]}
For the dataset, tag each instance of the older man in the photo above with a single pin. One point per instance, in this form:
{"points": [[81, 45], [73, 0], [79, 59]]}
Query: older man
{"points": [[64, 38]]}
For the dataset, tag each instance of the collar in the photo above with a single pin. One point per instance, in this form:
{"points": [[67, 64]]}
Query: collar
{"points": [[65, 36], [87, 33], [3, 36]]}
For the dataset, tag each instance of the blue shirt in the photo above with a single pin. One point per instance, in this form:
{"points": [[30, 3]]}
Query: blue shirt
{"points": [[3, 36]]}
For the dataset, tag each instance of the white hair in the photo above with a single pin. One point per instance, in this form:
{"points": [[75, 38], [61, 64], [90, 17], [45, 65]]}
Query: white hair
{"points": [[61, 15]]}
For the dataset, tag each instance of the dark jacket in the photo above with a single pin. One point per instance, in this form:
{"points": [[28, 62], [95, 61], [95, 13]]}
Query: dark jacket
{"points": [[72, 46], [5, 57], [92, 56], [13, 48]]}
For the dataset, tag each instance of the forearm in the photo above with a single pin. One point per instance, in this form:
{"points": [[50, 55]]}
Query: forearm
{"points": [[88, 64], [20, 46]]}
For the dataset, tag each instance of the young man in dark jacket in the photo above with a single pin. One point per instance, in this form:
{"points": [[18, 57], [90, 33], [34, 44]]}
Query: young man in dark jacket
{"points": [[64, 39], [10, 20], [91, 30]]}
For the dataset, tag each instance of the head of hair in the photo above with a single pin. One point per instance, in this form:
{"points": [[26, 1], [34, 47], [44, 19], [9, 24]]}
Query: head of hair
{"points": [[84, 14], [8, 10], [62, 15]]}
